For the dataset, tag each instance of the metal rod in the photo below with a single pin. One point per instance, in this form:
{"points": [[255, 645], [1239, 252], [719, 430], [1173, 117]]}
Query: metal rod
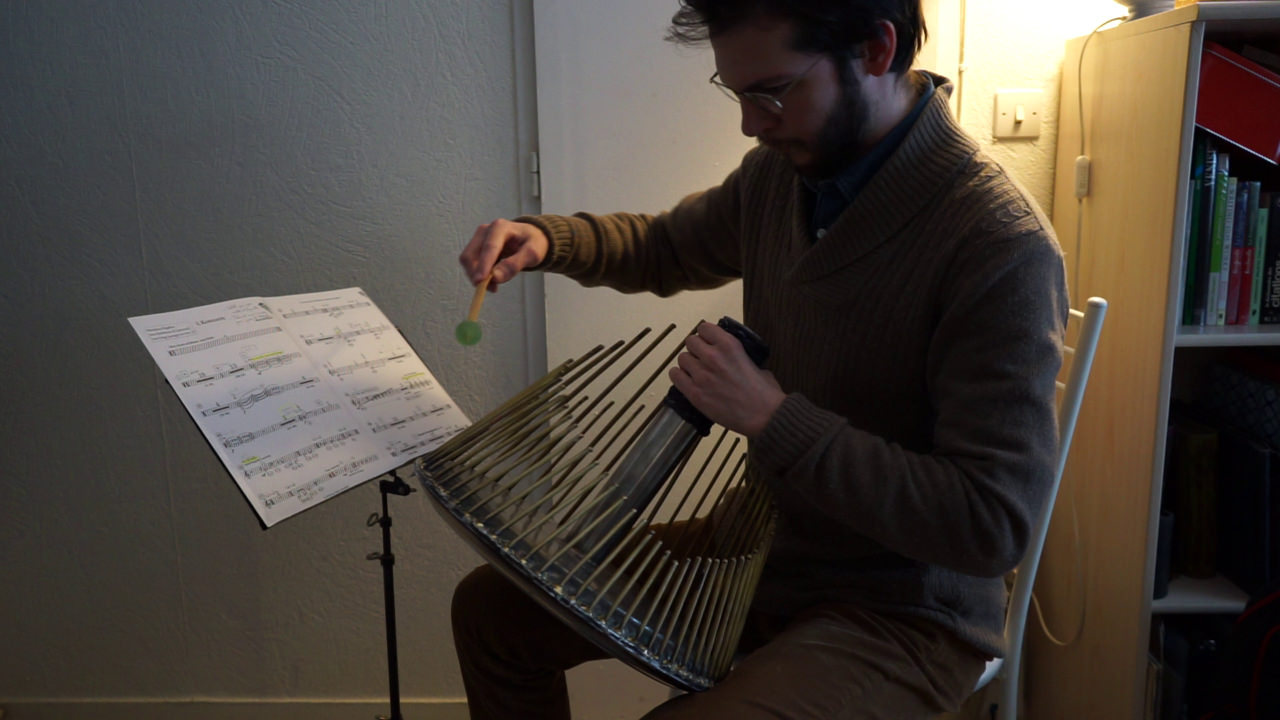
{"points": [[696, 607], [672, 615], [479, 428], [585, 531], [670, 564], [676, 476], [520, 495], [636, 361], [539, 523], [693, 485], [708, 538], [711, 639], [661, 618], [588, 553], [641, 570], [628, 542]]}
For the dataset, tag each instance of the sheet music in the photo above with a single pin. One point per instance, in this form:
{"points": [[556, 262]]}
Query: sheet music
{"points": [[301, 396]]}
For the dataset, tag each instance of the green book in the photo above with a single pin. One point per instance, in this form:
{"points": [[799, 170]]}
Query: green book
{"points": [[1217, 279], [1204, 242], [1259, 257]]}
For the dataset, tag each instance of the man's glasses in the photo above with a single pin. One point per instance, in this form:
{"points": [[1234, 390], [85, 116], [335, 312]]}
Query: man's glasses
{"points": [[769, 100]]}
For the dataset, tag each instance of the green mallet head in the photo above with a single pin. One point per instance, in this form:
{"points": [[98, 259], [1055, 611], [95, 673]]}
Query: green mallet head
{"points": [[468, 331]]}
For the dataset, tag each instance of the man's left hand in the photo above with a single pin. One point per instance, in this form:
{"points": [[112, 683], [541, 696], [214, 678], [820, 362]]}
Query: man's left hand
{"points": [[716, 375]]}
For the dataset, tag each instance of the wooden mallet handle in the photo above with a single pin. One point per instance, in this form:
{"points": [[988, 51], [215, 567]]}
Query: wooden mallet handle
{"points": [[478, 299]]}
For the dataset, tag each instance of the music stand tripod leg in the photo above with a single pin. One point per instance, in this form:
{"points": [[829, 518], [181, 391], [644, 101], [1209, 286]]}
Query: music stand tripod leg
{"points": [[393, 486]]}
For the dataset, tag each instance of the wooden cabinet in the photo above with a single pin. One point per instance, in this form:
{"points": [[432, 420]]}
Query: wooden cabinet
{"points": [[1124, 241]]}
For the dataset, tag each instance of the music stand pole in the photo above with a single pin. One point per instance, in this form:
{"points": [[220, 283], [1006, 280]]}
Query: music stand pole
{"points": [[394, 486]]}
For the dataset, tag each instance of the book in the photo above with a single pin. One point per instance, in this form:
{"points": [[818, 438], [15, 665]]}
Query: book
{"points": [[1191, 283], [301, 397], [1238, 100], [1270, 313], [1192, 483], [1204, 227], [1217, 278], [1259, 257], [1236, 228], [1238, 254], [1244, 309], [1246, 494], [1227, 230]]}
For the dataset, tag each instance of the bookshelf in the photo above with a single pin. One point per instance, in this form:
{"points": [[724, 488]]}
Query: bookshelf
{"points": [[1125, 241], [1199, 596], [1229, 336]]}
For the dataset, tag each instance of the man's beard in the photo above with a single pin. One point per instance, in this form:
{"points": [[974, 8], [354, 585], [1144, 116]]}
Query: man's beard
{"points": [[839, 141]]}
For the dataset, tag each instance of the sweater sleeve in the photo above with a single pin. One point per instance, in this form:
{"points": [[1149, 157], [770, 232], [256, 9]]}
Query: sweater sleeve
{"points": [[966, 501], [696, 245]]}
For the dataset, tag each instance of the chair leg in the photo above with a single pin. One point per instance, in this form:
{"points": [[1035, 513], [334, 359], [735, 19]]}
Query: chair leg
{"points": [[1007, 703]]}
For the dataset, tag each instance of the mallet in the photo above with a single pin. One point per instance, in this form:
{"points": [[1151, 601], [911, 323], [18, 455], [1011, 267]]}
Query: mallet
{"points": [[468, 331]]}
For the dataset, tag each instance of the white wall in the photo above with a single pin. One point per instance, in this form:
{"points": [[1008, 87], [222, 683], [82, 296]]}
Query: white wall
{"points": [[158, 154], [1016, 44]]}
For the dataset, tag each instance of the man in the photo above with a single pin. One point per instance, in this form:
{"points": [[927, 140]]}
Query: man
{"points": [[914, 301]]}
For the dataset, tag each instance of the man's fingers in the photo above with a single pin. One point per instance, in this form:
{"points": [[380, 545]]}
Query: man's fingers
{"points": [[476, 258], [689, 364], [680, 378], [491, 244], [480, 257], [500, 250], [712, 333]]}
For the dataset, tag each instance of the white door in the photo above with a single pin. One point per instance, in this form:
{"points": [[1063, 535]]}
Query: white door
{"points": [[628, 122]]}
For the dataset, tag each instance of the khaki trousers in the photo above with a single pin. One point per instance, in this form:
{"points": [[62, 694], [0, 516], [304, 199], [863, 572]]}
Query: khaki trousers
{"points": [[828, 663]]}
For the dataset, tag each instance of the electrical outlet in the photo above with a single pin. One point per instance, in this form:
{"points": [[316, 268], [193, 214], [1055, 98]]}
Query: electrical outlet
{"points": [[1017, 114]]}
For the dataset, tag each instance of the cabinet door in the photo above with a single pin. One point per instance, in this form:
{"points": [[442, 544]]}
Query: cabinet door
{"points": [[1122, 243]]}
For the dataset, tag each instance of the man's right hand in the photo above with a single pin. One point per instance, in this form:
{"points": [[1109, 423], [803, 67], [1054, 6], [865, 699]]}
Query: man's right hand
{"points": [[502, 249]]}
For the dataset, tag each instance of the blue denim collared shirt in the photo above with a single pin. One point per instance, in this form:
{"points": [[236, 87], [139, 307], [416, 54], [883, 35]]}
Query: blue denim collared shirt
{"points": [[828, 198]]}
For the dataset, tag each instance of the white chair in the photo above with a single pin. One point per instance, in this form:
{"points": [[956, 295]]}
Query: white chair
{"points": [[1080, 359]]}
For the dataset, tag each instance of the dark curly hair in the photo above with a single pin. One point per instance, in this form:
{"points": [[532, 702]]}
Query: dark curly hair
{"points": [[831, 27]]}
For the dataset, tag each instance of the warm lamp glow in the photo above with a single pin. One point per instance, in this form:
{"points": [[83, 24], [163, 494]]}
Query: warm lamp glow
{"points": [[1049, 22], [1143, 8]]}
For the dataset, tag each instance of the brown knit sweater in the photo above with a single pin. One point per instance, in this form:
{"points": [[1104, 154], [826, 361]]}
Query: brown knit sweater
{"points": [[918, 343]]}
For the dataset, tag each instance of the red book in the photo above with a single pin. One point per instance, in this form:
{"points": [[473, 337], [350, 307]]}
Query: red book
{"points": [[1252, 193], [1246, 287], [1233, 284], [1239, 100]]}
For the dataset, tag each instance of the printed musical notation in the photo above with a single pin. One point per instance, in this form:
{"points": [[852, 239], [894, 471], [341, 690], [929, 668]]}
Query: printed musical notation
{"points": [[301, 396], [347, 335], [256, 365], [410, 389], [290, 418], [243, 402]]}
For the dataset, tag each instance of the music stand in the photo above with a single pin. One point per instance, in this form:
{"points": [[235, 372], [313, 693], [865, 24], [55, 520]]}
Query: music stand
{"points": [[393, 486]]}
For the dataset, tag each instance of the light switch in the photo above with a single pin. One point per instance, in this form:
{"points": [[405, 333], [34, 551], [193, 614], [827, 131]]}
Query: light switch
{"points": [[1017, 114]]}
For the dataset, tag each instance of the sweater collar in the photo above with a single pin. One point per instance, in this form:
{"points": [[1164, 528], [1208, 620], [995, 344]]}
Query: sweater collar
{"points": [[828, 198], [927, 158]]}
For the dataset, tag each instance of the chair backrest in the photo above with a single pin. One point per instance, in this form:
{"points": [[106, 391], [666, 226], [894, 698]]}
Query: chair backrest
{"points": [[1078, 360]]}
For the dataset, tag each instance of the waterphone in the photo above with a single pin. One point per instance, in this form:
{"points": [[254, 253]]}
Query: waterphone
{"points": [[602, 510]]}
